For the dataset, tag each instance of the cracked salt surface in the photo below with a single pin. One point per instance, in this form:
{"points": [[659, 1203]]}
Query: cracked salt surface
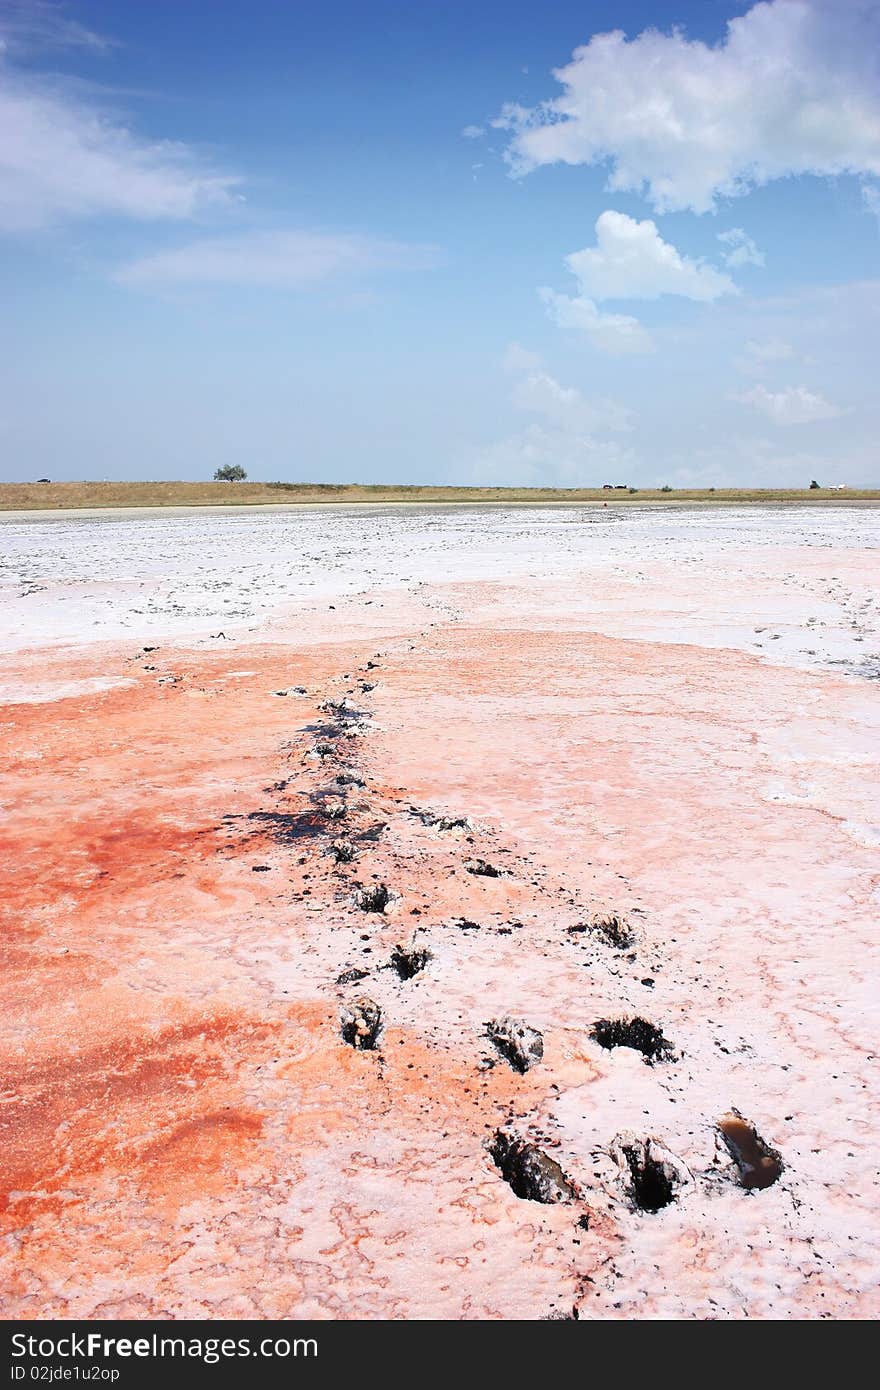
{"points": [[110, 577], [177, 1075]]}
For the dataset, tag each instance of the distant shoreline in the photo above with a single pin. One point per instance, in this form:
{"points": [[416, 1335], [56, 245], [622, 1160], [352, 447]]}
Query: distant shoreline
{"points": [[48, 500], [120, 512]]}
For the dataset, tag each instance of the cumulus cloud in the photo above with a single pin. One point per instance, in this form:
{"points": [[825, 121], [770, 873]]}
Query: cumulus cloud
{"points": [[566, 445], [473, 132], [279, 260], [770, 350], [619, 335], [757, 356], [63, 157], [793, 88], [519, 359], [629, 261], [567, 408], [794, 405], [741, 249], [632, 261], [541, 457]]}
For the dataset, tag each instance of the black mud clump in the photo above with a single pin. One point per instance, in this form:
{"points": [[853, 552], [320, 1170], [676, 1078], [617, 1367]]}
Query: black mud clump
{"points": [[653, 1176], [342, 851], [375, 898], [531, 1174], [344, 711], [288, 827], [410, 960], [481, 868], [613, 929], [636, 1033], [440, 822], [758, 1164], [351, 977], [373, 832], [522, 1046], [349, 779], [360, 1024]]}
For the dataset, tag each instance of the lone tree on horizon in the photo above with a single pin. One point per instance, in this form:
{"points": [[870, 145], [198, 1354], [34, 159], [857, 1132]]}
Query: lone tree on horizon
{"points": [[230, 473]]}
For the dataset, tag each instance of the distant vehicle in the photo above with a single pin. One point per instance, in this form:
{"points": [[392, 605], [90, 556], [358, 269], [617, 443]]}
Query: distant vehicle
{"points": [[621, 487], [44, 480], [607, 487]]}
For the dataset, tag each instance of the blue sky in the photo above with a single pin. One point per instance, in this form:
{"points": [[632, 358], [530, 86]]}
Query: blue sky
{"points": [[462, 243]]}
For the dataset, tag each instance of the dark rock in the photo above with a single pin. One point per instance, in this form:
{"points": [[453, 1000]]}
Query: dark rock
{"points": [[521, 1045]]}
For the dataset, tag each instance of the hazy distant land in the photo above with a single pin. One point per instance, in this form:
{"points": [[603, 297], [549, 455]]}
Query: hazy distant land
{"points": [[78, 495]]}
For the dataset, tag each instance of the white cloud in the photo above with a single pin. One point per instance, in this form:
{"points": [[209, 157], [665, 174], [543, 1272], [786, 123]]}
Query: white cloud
{"points": [[791, 89], [279, 260], [617, 334], [743, 250], [758, 356], [34, 25], [540, 457], [770, 350], [567, 408], [871, 196], [565, 446], [794, 405], [632, 261], [63, 157], [473, 132], [519, 359], [629, 261]]}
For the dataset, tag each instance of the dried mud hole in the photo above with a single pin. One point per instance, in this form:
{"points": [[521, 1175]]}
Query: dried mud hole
{"points": [[610, 927], [481, 868], [530, 1173], [636, 1033], [361, 1024], [410, 960], [653, 1176], [758, 1164], [522, 1046], [376, 898]]}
